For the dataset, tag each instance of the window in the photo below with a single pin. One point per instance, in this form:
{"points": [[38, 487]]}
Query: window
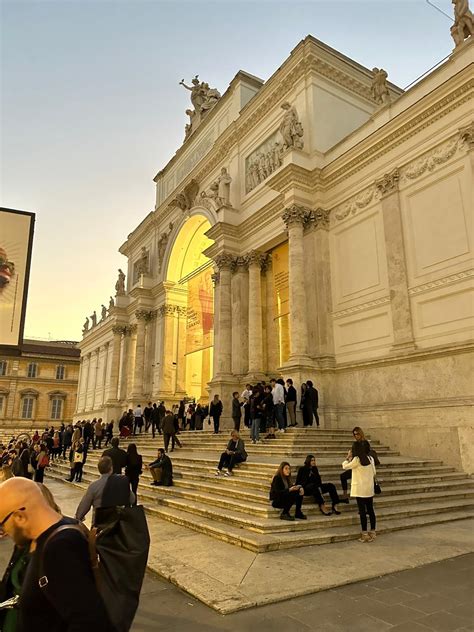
{"points": [[60, 373], [1, 404], [27, 407], [56, 408], [3, 367], [32, 369]]}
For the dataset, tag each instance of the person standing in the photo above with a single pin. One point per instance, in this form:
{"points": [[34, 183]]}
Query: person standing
{"points": [[147, 414], [256, 412], [215, 411], [278, 394], [181, 415], [99, 433], [169, 431], [155, 420], [118, 456], [236, 411], [137, 419], [133, 469], [311, 402], [362, 487], [109, 432], [291, 402], [67, 440], [245, 397], [69, 599], [42, 462]]}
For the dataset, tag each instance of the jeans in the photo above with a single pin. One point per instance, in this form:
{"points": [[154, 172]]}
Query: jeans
{"points": [[229, 460], [345, 476], [288, 500], [279, 416], [366, 506], [255, 429]]}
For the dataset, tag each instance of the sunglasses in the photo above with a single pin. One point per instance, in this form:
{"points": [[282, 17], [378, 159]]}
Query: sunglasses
{"points": [[8, 516]]}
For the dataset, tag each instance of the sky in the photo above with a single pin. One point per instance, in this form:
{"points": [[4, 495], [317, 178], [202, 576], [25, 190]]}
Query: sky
{"points": [[91, 110]]}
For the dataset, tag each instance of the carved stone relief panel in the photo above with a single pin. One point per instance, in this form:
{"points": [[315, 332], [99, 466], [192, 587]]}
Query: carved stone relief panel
{"points": [[262, 162]]}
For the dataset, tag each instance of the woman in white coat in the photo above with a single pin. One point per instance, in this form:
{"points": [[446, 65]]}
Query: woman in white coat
{"points": [[362, 487]]}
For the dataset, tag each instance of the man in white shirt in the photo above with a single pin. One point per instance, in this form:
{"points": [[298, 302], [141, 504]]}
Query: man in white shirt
{"points": [[278, 394], [245, 397], [138, 419]]}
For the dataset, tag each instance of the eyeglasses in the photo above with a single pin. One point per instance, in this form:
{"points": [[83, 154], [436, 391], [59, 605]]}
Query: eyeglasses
{"points": [[8, 516]]}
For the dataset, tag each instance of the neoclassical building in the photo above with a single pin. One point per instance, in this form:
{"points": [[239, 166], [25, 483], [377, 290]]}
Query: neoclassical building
{"points": [[317, 225]]}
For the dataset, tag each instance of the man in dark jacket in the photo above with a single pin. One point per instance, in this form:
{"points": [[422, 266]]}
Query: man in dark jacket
{"points": [[236, 411], [234, 453], [162, 469], [155, 420], [311, 400], [118, 456]]}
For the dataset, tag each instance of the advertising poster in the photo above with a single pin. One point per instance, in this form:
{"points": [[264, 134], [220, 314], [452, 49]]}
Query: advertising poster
{"points": [[200, 317], [16, 239]]}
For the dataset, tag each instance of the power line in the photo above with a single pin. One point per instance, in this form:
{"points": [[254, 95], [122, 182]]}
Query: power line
{"points": [[439, 10]]}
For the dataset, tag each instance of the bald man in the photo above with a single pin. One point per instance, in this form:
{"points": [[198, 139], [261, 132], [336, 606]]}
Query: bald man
{"points": [[68, 600]]}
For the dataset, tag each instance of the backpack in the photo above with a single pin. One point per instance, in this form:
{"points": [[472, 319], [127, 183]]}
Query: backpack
{"points": [[44, 461], [118, 551]]}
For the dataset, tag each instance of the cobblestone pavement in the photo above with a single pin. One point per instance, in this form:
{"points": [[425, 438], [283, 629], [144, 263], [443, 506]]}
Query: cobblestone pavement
{"points": [[437, 597]]}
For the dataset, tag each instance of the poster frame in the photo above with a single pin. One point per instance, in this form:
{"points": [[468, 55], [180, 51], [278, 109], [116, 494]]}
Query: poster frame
{"points": [[15, 349]]}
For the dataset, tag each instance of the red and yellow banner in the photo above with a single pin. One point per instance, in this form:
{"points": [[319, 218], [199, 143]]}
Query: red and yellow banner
{"points": [[200, 317]]}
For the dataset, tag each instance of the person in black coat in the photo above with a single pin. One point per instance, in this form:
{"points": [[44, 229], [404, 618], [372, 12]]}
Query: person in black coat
{"points": [[215, 411], [236, 411], [162, 469], [284, 494], [234, 453], [310, 404], [133, 469], [118, 456], [310, 479]]}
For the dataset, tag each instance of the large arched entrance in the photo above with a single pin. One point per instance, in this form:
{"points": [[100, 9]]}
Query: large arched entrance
{"points": [[191, 273]]}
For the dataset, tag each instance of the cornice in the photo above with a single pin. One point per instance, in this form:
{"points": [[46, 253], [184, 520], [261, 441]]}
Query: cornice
{"points": [[451, 279], [294, 176]]}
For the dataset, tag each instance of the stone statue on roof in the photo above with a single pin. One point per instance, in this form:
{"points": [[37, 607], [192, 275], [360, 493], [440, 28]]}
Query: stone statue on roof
{"points": [[94, 319], [85, 327], [120, 284], [103, 312], [463, 26], [379, 89], [203, 97]]}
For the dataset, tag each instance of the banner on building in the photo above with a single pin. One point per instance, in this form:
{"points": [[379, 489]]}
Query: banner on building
{"points": [[200, 315], [16, 241]]}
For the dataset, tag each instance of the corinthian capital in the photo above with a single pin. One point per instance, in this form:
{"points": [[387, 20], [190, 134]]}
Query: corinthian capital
{"points": [[319, 218], [295, 214], [388, 183], [144, 314], [118, 330], [224, 261], [256, 258], [467, 135]]}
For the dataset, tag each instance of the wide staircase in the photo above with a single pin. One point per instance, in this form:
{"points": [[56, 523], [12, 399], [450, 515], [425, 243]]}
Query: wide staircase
{"points": [[415, 492]]}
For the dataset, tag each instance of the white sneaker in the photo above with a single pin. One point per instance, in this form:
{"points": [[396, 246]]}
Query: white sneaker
{"points": [[228, 473], [218, 472]]}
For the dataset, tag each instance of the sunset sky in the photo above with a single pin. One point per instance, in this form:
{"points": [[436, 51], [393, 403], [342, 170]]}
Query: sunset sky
{"points": [[91, 110]]}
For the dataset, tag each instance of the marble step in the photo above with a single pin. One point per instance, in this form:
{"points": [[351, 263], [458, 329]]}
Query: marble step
{"points": [[261, 543]]}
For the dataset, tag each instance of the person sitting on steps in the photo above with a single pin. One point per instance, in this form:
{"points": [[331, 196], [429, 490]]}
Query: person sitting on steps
{"points": [[284, 494], [234, 453], [310, 479], [162, 469]]}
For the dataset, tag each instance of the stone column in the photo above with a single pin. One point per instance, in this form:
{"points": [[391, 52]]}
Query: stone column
{"points": [[130, 360], [272, 342], [180, 388], [112, 386], [255, 261], [215, 280], [168, 351], [295, 218], [240, 316], [396, 262], [139, 365], [224, 263]]}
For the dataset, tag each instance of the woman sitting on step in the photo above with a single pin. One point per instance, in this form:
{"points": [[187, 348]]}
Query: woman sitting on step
{"points": [[284, 494], [310, 479], [234, 453]]}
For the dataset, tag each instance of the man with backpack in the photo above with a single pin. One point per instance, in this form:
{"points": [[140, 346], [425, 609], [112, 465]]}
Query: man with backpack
{"points": [[60, 560]]}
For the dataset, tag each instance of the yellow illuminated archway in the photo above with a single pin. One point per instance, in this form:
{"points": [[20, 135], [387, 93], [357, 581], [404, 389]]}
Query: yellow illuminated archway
{"points": [[191, 271]]}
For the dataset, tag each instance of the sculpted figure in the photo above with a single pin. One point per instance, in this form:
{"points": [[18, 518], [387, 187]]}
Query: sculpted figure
{"points": [[262, 169], [189, 126], [142, 265], [120, 285], [379, 89], [103, 312], [162, 243], [223, 188], [255, 174], [111, 304], [276, 155], [463, 26], [85, 327], [291, 128], [268, 162], [94, 319], [203, 97]]}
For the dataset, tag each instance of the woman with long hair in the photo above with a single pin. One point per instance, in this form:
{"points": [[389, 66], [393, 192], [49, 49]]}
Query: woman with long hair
{"points": [[284, 494], [133, 469], [310, 479], [362, 486], [346, 476]]}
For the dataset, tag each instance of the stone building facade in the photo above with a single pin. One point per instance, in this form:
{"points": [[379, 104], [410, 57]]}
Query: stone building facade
{"points": [[38, 386], [315, 226]]}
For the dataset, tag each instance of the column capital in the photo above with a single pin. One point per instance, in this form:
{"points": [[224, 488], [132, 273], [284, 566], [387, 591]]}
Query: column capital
{"points": [[118, 330], [388, 183], [466, 134], [240, 264], [129, 330], [180, 310], [295, 214], [146, 315], [319, 218], [215, 278], [166, 309], [224, 261], [256, 258]]}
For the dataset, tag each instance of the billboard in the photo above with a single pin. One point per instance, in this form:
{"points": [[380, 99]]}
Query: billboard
{"points": [[16, 240], [200, 318]]}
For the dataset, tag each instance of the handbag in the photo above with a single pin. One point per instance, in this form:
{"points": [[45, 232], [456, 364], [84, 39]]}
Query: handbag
{"points": [[377, 488]]}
